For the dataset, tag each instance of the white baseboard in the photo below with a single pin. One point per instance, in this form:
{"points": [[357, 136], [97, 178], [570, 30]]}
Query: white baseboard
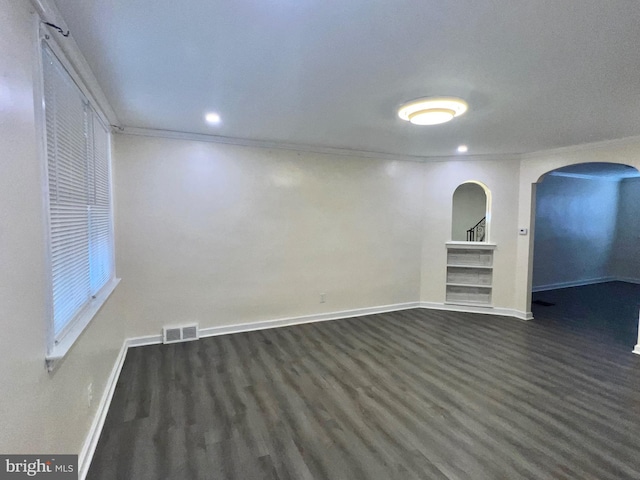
{"points": [[627, 280], [574, 283], [507, 312], [319, 317], [143, 341], [91, 442], [582, 283]]}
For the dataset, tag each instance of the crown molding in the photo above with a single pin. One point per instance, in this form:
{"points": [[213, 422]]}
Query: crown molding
{"points": [[48, 12], [583, 147], [268, 144], [275, 145]]}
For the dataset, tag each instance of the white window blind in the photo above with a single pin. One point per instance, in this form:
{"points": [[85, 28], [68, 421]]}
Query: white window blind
{"points": [[81, 240]]}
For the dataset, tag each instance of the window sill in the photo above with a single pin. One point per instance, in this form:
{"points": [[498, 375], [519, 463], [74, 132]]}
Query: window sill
{"points": [[60, 349]]}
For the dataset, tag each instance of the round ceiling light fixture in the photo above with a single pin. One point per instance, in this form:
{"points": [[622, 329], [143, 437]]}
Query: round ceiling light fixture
{"points": [[432, 110]]}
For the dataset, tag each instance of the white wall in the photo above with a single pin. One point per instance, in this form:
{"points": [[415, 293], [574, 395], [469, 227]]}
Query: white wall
{"points": [[225, 234], [625, 262], [575, 230], [441, 180], [39, 412]]}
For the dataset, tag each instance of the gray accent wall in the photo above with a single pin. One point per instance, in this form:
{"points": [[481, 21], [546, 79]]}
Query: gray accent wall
{"points": [[585, 230], [626, 255]]}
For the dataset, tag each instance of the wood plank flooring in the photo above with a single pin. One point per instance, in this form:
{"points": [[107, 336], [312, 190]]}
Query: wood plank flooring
{"points": [[418, 394]]}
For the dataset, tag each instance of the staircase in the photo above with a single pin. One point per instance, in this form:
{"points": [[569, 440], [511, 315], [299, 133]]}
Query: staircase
{"points": [[476, 233]]}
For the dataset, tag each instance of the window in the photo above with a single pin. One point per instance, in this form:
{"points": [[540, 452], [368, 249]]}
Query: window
{"points": [[79, 205]]}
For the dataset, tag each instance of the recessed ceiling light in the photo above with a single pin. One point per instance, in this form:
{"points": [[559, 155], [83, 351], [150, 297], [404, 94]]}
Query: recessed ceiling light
{"points": [[432, 110], [212, 118], [463, 149]]}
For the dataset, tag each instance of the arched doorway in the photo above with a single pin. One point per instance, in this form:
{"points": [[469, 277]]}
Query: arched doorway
{"points": [[471, 212], [586, 260]]}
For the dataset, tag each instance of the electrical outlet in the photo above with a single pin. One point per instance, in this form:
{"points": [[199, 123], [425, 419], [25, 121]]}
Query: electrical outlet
{"points": [[323, 297], [89, 394]]}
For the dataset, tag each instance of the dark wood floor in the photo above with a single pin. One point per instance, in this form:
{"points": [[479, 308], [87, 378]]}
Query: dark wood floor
{"points": [[418, 394]]}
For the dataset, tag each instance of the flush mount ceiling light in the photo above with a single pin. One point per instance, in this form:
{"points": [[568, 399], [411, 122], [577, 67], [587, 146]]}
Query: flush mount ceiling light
{"points": [[432, 110], [463, 149]]}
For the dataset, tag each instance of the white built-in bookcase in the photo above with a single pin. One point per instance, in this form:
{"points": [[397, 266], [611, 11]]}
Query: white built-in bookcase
{"points": [[469, 273]]}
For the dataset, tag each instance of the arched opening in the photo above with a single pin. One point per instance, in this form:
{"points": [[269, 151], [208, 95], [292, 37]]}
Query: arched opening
{"points": [[586, 260], [471, 212]]}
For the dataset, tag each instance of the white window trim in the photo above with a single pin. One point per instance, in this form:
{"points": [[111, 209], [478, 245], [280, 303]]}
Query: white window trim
{"points": [[57, 351]]}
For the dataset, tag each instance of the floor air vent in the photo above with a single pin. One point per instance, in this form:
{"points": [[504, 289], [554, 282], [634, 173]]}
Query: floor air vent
{"points": [[180, 334]]}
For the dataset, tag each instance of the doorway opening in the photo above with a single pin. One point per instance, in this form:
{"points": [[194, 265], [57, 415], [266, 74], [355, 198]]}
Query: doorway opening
{"points": [[586, 250]]}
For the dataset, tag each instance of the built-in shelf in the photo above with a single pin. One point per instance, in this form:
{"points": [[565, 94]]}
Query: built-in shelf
{"points": [[469, 273], [470, 304], [488, 267], [472, 245]]}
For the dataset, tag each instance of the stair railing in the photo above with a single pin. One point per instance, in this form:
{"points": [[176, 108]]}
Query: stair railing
{"points": [[477, 232]]}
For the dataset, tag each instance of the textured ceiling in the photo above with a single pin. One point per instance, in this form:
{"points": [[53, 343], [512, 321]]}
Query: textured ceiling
{"points": [[537, 74]]}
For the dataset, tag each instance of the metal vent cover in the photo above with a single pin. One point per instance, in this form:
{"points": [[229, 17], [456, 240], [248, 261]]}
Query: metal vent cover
{"points": [[180, 334], [190, 332]]}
